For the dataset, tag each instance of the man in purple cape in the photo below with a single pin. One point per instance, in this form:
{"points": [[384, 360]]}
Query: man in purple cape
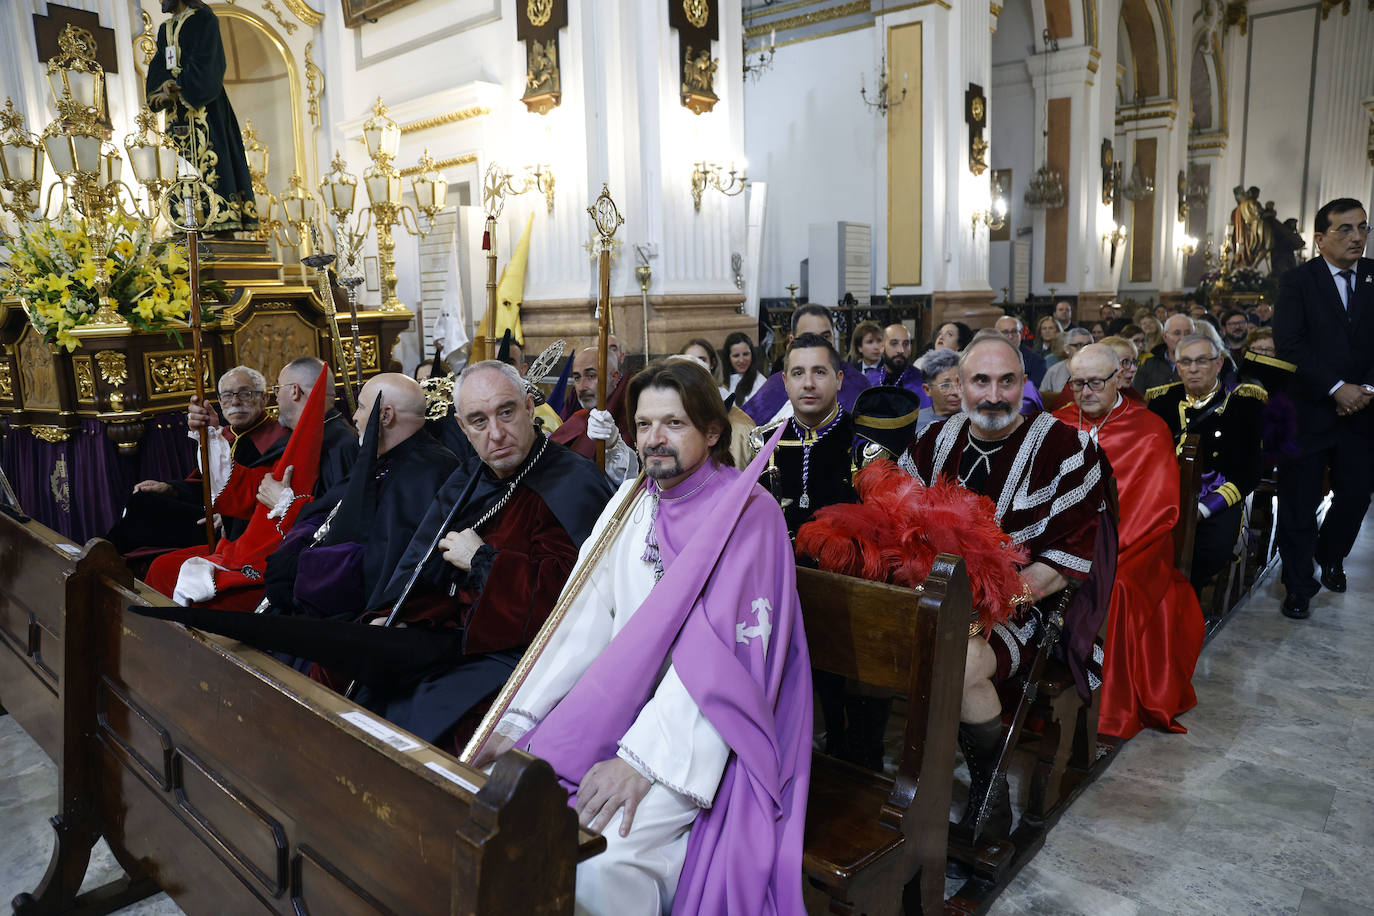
{"points": [[674, 697], [770, 402]]}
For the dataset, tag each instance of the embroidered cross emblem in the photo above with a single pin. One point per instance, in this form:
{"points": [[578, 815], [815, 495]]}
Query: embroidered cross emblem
{"points": [[762, 629]]}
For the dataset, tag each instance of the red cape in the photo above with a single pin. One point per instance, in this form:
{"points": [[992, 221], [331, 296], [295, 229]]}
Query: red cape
{"points": [[1155, 627]]}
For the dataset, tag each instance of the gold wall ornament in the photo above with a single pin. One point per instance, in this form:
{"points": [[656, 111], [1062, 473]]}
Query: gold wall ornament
{"points": [[51, 433], [304, 13], [84, 374], [114, 367], [441, 164], [314, 84], [175, 373], [287, 25], [369, 345], [537, 26], [453, 117], [698, 12], [6, 381], [698, 25], [538, 11], [976, 117], [145, 44]]}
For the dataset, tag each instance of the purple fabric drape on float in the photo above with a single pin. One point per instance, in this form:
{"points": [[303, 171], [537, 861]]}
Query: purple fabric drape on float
{"points": [[40, 473], [79, 487], [166, 452], [100, 483]]}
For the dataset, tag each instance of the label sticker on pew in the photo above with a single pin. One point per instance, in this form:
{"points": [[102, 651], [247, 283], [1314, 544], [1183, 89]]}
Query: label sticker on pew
{"points": [[378, 730], [451, 776]]}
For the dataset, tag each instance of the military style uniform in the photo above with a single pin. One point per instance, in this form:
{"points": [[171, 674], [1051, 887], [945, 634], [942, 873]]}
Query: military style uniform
{"points": [[812, 468], [1229, 422]]}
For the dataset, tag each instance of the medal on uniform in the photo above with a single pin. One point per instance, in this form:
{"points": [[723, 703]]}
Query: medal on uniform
{"points": [[805, 501]]}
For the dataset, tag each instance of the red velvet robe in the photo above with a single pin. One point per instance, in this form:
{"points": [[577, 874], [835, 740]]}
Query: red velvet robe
{"points": [[534, 556], [1155, 627]]}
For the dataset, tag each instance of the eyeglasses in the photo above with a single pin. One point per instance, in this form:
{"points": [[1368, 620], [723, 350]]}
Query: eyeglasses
{"points": [[1129, 363], [277, 389], [947, 387], [1075, 346], [1094, 384], [243, 394], [1200, 361], [1346, 229]]}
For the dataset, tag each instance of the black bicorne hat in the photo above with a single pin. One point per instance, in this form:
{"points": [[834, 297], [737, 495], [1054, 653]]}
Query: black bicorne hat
{"points": [[885, 416]]}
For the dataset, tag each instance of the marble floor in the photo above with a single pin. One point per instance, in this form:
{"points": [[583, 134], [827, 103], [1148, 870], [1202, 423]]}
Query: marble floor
{"points": [[1265, 806]]}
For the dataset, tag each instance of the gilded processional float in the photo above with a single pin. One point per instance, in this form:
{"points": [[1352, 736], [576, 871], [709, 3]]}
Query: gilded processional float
{"points": [[96, 353]]}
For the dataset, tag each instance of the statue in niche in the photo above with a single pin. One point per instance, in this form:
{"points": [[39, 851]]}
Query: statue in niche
{"points": [[1249, 235], [186, 79], [699, 73]]}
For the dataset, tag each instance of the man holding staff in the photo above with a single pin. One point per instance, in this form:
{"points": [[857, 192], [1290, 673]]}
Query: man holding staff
{"points": [[671, 687]]}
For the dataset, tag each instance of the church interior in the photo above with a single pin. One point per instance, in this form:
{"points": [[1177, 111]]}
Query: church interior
{"points": [[922, 163]]}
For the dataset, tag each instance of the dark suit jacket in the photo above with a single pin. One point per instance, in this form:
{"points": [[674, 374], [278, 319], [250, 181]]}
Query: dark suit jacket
{"points": [[1035, 365], [1328, 345]]}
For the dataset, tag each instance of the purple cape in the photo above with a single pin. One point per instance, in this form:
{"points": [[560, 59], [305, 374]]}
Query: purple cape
{"points": [[744, 854], [769, 399]]}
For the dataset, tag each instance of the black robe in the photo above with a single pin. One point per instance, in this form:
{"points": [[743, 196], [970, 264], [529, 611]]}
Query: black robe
{"points": [[338, 452], [407, 478], [828, 474], [202, 123]]}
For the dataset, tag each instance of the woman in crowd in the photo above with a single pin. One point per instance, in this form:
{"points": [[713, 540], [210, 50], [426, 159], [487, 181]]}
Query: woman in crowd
{"points": [[940, 368], [1154, 336], [953, 335], [866, 347], [1098, 330], [741, 362], [1136, 335], [1127, 361], [1046, 334], [1260, 341], [702, 351]]}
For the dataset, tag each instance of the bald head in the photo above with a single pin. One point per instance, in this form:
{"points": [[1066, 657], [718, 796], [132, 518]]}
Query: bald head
{"points": [[1176, 327], [1094, 365], [402, 403]]}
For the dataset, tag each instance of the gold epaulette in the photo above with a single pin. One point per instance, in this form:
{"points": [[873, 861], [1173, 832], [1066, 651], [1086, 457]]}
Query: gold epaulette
{"points": [[1156, 391], [1251, 390]]}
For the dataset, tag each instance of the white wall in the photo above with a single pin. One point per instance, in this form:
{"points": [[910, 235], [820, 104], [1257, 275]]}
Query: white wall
{"points": [[811, 138], [1012, 144]]}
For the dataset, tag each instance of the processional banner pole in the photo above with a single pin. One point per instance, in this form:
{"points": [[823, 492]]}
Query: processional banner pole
{"points": [[188, 208], [320, 263], [607, 219]]}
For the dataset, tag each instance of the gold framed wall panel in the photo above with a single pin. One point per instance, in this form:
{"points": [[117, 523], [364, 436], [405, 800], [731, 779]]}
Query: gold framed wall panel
{"points": [[1143, 216], [37, 373], [905, 149], [270, 339]]}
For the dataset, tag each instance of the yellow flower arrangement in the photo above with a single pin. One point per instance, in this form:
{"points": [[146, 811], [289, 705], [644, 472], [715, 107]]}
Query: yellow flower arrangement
{"points": [[52, 269]]}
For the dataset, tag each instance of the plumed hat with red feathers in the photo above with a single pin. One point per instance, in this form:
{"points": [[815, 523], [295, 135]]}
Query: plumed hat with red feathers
{"points": [[899, 525]]}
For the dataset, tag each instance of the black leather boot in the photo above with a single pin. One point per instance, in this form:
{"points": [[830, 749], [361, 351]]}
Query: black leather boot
{"points": [[981, 743]]}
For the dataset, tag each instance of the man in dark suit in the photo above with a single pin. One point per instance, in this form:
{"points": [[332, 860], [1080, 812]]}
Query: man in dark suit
{"points": [[1010, 327], [1324, 324]]}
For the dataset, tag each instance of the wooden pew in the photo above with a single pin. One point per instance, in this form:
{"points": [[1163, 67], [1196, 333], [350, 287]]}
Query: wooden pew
{"points": [[237, 785], [44, 579], [875, 844]]}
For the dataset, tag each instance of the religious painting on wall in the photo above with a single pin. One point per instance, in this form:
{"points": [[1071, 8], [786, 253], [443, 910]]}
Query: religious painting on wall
{"points": [[358, 12], [536, 25], [698, 25]]}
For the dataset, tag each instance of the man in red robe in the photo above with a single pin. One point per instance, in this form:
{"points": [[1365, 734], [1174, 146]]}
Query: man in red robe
{"points": [[1155, 627]]}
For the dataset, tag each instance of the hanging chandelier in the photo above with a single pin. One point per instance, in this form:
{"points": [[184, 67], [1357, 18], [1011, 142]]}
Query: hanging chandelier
{"points": [[1138, 186], [1046, 191]]}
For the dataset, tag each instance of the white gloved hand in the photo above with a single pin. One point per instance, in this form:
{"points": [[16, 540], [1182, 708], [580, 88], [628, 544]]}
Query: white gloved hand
{"points": [[600, 425]]}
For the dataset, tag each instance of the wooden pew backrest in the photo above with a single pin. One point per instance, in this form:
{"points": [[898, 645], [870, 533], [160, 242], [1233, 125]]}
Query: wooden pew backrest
{"points": [[909, 642], [240, 785], [1189, 485]]}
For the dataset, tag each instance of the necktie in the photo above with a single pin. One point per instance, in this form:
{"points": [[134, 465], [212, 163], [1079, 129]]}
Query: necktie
{"points": [[1349, 277]]}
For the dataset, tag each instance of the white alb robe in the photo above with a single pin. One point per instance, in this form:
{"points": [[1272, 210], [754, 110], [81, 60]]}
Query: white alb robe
{"points": [[671, 743]]}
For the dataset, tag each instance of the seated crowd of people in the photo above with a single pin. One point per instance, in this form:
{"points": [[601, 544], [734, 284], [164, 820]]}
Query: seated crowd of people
{"points": [[411, 557]]}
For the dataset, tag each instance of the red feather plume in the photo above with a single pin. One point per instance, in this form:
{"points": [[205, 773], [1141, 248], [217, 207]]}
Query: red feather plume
{"points": [[899, 525]]}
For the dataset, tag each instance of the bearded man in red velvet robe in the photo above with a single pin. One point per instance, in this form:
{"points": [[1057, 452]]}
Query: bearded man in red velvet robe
{"points": [[1155, 627]]}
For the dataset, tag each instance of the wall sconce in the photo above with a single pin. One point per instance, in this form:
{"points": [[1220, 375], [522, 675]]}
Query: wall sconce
{"points": [[1115, 237], [532, 177], [761, 61], [1111, 174], [729, 183], [995, 217], [1187, 246]]}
